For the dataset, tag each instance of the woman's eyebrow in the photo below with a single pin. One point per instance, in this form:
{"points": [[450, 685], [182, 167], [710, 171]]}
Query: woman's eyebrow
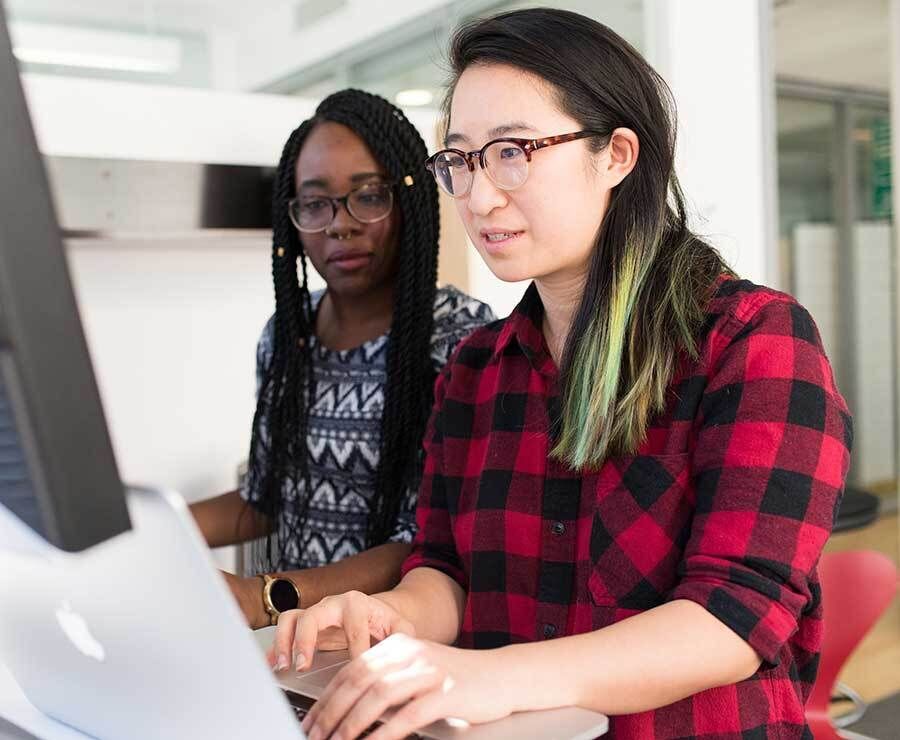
{"points": [[367, 176], [320, 182], [496, 132]]}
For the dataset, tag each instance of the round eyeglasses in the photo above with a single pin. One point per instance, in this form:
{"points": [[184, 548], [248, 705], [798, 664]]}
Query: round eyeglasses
{"points": [[505, 161], [368, 204]]}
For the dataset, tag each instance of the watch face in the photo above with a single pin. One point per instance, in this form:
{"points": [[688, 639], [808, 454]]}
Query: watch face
{"points": [[283, 595]]}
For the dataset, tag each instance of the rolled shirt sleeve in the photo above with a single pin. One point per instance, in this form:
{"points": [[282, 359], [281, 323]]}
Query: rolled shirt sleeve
{"points": [[772, 453]]}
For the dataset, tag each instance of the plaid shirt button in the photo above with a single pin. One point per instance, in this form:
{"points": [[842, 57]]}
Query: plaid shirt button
{"points": [[558, 528], [549, 630]]}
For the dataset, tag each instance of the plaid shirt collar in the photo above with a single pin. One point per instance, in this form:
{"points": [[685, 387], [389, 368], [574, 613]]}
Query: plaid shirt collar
{"points": [[524, 327]]}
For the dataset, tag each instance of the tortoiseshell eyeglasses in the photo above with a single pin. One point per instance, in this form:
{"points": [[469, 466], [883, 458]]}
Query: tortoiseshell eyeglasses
{"points": [[504, 160]]}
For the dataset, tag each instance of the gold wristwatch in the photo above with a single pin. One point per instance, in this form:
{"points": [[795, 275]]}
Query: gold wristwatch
{"points": [[279, 595]]}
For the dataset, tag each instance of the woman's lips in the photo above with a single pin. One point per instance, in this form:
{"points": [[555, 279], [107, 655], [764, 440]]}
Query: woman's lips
{"points": [[497, 241], [349, 260]]}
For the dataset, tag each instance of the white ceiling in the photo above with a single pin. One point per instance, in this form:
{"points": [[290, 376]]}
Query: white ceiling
{"points": [[186, 15], [835, 42]]}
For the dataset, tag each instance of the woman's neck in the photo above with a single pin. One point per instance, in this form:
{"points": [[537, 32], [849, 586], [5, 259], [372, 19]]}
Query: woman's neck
{"points": [[344, 322], [561, 296]]}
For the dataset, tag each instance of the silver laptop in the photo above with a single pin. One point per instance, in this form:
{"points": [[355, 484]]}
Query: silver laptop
{"points": [[139, 638]]}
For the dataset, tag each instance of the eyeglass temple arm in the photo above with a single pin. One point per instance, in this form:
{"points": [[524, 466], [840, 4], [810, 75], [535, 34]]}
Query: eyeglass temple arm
{"points": [[561, 139]]}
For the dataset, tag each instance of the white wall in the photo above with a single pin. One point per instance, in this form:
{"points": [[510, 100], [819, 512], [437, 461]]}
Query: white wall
{"points": [[172, 329], [717, 59], [123, 120], [871, 376]]}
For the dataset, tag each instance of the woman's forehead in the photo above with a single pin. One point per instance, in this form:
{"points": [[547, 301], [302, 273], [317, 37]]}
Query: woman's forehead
{"points": [[517, 100], [333, 151]]}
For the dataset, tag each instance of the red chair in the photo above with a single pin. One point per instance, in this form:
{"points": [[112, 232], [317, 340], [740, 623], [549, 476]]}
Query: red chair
{"points": [[857, 586]]}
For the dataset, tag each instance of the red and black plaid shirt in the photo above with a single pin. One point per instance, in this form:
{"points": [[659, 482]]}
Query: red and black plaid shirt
{"points": [[728, 503]]}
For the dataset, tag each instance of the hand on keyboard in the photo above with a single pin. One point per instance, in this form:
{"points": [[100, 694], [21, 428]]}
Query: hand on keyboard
{"points": [[422, 680]]}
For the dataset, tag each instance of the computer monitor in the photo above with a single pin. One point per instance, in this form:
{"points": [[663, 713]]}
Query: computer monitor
{"points": [[57, 469]]}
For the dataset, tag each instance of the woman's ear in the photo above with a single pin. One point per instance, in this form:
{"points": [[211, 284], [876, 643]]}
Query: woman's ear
{"points": [[623, 151]]}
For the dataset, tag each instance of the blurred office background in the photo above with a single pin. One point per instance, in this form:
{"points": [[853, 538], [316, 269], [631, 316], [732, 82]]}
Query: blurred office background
{"points": [[161, 121]]}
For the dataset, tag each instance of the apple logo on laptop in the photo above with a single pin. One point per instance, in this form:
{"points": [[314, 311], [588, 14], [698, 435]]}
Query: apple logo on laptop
{"points": [[76, 629]]}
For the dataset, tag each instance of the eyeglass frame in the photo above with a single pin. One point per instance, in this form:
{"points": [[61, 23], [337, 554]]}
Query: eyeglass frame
{"points": [[527, 145], [342, 200]]}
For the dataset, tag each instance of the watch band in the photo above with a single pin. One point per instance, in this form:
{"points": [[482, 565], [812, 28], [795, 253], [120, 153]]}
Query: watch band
{"points": [[267, 605]]}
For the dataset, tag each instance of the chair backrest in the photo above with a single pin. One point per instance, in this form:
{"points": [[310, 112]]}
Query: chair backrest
{"points": [[857, 586]]}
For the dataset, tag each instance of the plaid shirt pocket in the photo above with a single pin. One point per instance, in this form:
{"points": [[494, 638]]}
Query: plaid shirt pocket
{"points": [[641, 522]]}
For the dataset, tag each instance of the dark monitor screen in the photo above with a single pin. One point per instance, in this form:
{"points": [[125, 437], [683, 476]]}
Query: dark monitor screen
{"points": [[57, 469], [16, 491]]}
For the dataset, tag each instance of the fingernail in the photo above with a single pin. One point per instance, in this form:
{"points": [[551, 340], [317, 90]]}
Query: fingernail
{"points": [[282, 663], [300, 661]]}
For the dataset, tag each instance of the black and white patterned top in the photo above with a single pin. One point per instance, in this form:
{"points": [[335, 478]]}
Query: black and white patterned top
{"points": [[344, 437]]}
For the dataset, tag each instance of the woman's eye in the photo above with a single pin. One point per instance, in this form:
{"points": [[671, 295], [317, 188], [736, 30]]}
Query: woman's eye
{"points": [[454, 162], [372, 199], [311, 206], [510, 152]]}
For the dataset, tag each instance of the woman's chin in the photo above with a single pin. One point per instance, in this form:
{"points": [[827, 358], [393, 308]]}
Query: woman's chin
{"points": [[509, 271]]}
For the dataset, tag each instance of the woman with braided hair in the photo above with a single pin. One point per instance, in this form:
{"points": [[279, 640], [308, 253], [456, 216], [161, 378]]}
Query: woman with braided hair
{"points": [[344, 375]]}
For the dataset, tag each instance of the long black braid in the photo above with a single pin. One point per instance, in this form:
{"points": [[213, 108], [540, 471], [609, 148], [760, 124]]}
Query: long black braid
{"points": [[279, 457]]}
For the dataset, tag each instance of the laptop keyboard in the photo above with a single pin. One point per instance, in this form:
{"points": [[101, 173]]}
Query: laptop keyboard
{"points": [[300, 713]]}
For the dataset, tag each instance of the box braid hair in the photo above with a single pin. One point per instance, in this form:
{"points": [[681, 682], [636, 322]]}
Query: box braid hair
{"points": [[278, 450]]}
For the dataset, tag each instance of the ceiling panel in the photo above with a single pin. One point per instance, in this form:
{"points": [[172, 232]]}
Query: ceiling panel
{"points": [[834, 42]]}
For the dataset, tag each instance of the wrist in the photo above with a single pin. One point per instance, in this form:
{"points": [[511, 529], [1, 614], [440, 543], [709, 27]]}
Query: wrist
{"points": [[513, 690], [519, 664], [254, 605], [396, 600]]}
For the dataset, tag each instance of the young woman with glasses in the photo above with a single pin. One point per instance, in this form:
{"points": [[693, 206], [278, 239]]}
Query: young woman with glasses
{"points": [[345, 375], [629, 481]]}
